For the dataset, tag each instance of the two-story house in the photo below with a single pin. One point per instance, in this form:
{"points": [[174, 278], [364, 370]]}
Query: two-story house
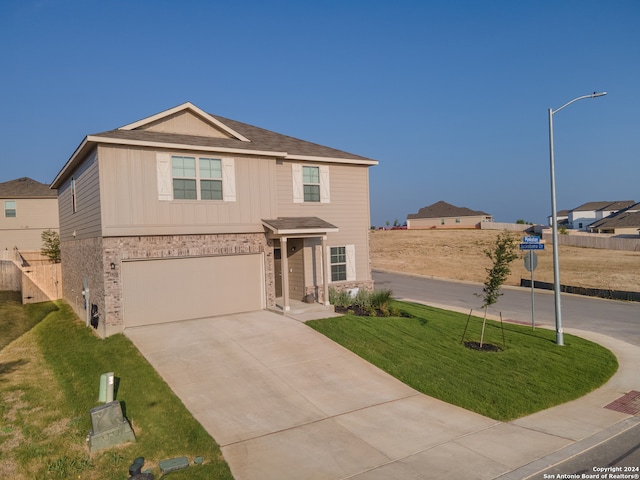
{"points": [[186, 215], [28, 208], [581, 217]]}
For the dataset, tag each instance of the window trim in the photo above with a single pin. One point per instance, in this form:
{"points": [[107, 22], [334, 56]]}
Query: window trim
{"points": [[298, 183], [7, 209], [164, 168], [74, 196], [350, 262]]}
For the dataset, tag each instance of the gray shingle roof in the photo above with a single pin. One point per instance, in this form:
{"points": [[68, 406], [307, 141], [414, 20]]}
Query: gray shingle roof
{"points": [[260, 140], [627, 219], [596, 206], [316, 224], [443, 209], [26, 187]]}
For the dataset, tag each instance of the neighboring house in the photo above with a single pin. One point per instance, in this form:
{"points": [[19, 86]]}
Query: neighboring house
{"points": [[28, 208], [625, 222], [563, 218], [185, 215], [444, 215], [581, 217]]}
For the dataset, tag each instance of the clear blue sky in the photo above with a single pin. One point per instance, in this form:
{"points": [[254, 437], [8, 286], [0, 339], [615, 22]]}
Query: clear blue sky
{"points": [[450, 96]]}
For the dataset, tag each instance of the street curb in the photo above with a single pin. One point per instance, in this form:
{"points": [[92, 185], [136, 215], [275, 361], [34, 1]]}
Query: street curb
{"points": [[549, 461]]}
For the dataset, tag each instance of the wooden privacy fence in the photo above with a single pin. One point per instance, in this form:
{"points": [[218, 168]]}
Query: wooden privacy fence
{"points": [[10, 276], [37, 278]]}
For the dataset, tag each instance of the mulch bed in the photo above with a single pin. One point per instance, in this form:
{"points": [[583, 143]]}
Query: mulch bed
{"points": [[486, 347]]}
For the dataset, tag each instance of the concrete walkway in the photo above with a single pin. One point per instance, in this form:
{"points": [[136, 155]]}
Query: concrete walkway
{"points": [[284, 402]]}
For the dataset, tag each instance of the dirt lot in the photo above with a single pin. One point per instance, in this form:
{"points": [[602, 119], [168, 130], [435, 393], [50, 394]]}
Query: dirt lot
{"points": [[459, 255]]}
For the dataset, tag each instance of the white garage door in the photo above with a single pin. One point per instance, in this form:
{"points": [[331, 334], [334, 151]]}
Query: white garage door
{"points": [[168, 290]]}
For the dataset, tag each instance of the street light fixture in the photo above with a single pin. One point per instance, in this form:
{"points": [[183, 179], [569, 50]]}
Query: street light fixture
{"points": [[554, 219]]}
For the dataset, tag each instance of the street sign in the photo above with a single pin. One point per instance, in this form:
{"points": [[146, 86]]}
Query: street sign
{"points": [[532, 246], [531, 239], [530, 261]]}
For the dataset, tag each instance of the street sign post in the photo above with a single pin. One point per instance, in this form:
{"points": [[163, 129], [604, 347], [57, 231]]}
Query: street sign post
{"points": [[530, 263]]}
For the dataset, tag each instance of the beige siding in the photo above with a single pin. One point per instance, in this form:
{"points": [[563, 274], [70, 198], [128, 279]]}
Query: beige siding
{"points": [[186, 123], [348, 210], [131, 205], [33, 216], [85, 222]]}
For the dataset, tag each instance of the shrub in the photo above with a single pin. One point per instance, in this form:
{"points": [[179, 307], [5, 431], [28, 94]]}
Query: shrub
{"points": [[370, 302]]}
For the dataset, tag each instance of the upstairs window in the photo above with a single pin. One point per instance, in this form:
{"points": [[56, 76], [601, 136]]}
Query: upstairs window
{"points": [[311, 183], [196, 178], [73, 195], [10, 208]]}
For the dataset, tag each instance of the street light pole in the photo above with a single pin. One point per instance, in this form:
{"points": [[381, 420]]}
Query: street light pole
{"points": [[554, 220]]}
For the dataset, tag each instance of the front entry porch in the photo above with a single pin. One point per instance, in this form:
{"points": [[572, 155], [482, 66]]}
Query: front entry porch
{"points": [[301, 264]]}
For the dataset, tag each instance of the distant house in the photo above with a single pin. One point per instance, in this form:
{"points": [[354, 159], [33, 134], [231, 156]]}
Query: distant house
{"points": [[28, 208], [444, 215], [624, 222], [186, 215], [563, 218], [581, 217]]}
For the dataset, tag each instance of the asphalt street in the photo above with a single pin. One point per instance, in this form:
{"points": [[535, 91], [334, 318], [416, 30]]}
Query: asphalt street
{"points": [[617, 319]]}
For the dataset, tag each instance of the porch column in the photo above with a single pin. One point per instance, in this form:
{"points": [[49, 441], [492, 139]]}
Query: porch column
{"points": [[325, 270], [285, 273]]}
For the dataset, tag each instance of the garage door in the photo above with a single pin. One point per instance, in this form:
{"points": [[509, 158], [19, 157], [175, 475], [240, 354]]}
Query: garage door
{"points": [[169, 290]]}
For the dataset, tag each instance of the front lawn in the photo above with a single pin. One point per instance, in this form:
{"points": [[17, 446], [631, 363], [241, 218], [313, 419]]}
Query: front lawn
{"points": [[529, 374], [49, 380]]}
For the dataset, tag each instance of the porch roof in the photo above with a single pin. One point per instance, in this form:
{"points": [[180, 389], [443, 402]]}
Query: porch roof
{"points": [[299, 226]]}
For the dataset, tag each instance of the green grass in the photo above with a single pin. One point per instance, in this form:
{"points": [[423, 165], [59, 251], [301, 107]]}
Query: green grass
{"points": [[529, 374], [45, 417], [16, 319]]}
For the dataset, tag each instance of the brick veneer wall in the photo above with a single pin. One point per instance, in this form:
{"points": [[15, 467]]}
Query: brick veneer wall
{"points": [[80, 259], [340, 286]]}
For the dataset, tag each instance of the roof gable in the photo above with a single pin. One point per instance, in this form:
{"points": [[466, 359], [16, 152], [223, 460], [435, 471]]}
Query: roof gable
{"points": [[186, 119], [230, 138], [443, 209], [26, 187]]}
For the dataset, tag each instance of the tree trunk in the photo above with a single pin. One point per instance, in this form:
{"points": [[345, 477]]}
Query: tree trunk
{"points": [[484, 321]]}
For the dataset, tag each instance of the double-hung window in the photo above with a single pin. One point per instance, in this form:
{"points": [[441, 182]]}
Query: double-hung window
{"points": [[196, 178], [342, 261], [10, 208], [311, 183], [338, 264]]}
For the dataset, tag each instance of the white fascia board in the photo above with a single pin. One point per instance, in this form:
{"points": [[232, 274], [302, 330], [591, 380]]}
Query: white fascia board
{"points": [[179, 108], [310, 158], [61, 173], [180, 146]]}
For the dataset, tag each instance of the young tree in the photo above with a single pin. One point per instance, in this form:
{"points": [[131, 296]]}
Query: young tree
{"points": [[501, 253], [51, 245]]}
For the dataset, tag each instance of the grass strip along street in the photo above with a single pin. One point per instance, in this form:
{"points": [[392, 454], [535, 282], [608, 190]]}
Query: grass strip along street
{"points": [[49, 381], [529, 373]]}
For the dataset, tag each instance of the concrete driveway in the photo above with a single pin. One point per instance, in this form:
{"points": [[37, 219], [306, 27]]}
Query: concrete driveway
{"points": [[285, 402]]}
